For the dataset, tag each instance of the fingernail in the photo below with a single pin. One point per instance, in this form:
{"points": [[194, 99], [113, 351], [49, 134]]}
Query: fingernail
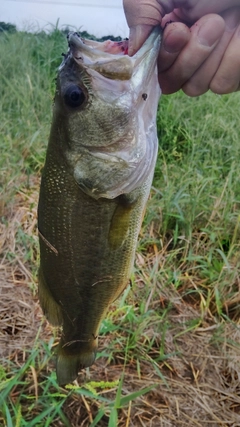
{"points": [[209, 33], [137, 37], [132, 42], [232, 21]]}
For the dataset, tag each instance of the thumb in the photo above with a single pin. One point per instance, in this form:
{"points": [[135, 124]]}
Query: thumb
{"points": [[141, 17]]}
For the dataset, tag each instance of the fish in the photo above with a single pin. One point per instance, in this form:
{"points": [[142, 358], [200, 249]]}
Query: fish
{"points": [[94, 188]]}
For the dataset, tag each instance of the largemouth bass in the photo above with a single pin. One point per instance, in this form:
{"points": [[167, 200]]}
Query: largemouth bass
{"points": [[95, 184]]}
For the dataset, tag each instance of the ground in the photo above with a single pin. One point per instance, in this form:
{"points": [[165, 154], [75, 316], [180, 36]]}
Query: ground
{"points": [[188, 358]]}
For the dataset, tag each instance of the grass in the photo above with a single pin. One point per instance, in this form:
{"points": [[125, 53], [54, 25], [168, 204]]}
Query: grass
{"points": [[169, 347]]}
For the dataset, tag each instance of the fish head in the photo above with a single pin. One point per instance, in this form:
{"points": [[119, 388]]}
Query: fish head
{"points": [[105, 113]]}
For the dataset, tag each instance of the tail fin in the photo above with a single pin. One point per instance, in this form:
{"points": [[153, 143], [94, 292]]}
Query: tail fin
{"points": [[69, 363]]}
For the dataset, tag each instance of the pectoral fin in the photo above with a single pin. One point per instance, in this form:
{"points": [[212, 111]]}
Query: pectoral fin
{"points": [[121, 222]]}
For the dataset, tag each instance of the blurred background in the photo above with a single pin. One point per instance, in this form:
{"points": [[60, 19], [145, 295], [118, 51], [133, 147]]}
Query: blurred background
{"points": [[99, 17]]}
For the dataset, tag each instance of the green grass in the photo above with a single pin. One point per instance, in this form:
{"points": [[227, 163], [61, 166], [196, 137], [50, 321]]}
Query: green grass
{"points": [[28, 69], [188, 248], [197, 186], [43, 404]]}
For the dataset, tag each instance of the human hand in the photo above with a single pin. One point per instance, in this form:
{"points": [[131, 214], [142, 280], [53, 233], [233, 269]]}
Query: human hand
{"points": [[197, 58]]}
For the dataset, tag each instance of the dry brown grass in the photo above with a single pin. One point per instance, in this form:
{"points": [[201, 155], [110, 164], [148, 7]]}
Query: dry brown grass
{"points": [[200, 374]]}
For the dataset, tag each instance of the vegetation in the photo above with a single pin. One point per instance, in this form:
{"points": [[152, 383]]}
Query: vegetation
{"points": [[6, 27], [169, 348]]}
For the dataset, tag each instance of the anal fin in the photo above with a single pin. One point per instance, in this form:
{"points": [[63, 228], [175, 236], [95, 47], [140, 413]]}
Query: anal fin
{"points": [[51, 309]]}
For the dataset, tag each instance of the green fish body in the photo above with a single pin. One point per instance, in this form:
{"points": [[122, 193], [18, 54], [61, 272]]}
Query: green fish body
{"points": [[95, 184]]}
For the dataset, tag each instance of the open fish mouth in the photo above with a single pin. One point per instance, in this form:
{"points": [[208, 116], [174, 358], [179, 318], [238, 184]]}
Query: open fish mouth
{"points": [[111, 58], [101, 56]]}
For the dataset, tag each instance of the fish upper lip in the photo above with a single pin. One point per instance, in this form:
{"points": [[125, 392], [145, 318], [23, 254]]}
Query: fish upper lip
{"points": [[75, 41], [108, 47]]}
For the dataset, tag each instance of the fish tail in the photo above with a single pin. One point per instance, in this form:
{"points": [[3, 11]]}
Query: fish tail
{"points": [[69, 363], [51, 309]]}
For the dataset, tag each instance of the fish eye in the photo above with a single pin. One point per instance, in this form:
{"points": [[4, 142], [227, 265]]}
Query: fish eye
{"points": [[74, 96]]}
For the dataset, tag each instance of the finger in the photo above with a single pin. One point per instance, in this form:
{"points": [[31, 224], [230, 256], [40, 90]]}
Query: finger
{"points": [[137, 36], [227, 77], [175, 37], [192, 10], [205, 34], [143, 12], [199, 83], [141, 17]]}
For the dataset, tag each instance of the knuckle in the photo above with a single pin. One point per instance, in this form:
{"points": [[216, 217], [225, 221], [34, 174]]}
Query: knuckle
{"points": [[224, 85], [193, 90], [196, 85], [167, 85]]}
